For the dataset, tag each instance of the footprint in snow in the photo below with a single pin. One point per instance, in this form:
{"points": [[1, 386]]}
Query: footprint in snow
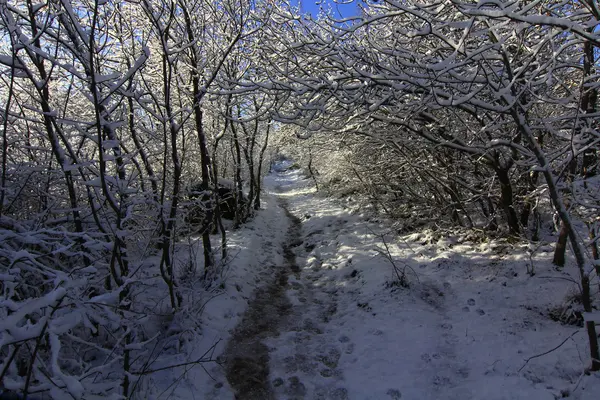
{"points": [[295, 388], [446, 326], [441, 380], [428, 358], [394, 394], [325, 393], [301, 337], [350, 348], [329, 355], [339, 394], [343, 339], [299, 362], [310, 326]]}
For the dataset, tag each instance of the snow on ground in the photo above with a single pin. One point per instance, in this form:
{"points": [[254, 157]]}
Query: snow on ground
{"points": [[463, 328]]}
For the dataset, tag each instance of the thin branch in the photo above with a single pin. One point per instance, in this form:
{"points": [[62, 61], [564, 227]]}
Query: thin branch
{"points": [[549, 351]]}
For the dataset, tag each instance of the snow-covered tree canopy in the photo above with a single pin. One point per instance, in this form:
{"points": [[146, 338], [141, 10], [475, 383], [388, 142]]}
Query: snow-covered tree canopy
{"points": [[121, 119]]}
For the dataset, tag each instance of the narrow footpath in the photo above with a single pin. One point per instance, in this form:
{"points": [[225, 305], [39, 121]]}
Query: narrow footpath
{"points": [[330, 319], [246, 355]]}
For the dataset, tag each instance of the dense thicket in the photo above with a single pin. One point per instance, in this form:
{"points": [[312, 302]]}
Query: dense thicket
{"points": [[113, 150], [463, 113]]}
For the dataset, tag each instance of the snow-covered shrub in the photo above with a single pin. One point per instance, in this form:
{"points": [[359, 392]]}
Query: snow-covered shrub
{"points": [[58, 324]]}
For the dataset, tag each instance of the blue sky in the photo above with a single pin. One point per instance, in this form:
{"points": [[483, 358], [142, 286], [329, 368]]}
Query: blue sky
{"points": [[344, 10]]}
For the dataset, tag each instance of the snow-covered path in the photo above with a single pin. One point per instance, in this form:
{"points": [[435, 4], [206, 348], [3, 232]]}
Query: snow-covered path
{"points": [[328, 318], [337, 346], [246, 355]]}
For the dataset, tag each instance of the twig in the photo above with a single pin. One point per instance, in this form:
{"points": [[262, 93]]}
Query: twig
{"points": [[38, 343], [173, 385], [9, 361], [531, 253], [388, 255], [560, 277], [578, 381], [200, 360], [549, 351]]}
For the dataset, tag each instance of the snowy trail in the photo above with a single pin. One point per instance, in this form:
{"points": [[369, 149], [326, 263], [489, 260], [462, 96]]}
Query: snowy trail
{"points": [[246, 356], [317, 357], [327, 318]]}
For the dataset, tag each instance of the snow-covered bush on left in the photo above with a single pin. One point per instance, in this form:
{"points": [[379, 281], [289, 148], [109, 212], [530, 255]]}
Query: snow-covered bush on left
{"points": [[106, 124], [62, 329]]}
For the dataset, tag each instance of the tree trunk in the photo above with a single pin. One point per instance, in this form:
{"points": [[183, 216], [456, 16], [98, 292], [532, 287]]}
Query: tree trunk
{"points": [[561, 246], [5, 117], [589, 101], [197, 95], [204, 160], [44, 94], [311, 170], [565, 217], [506, 201], [237, 177], [260, 167]]}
